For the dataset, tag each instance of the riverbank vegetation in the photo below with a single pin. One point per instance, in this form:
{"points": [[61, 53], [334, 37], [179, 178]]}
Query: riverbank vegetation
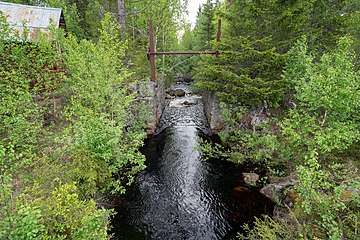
{"points": [[64, 142], [289, 82], [70, 122]]}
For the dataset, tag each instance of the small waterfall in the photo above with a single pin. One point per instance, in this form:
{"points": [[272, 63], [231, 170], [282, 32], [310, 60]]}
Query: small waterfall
{"points": [[187, 110]]}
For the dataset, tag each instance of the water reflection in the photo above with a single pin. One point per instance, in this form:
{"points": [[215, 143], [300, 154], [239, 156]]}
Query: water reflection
{"points": [[181, 197]]}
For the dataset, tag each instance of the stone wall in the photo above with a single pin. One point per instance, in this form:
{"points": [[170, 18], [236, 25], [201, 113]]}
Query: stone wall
{"points": [[152, 94], [212, 112]]}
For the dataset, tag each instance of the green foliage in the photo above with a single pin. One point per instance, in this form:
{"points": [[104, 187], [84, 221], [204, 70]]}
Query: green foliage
{"points": [[64, 215], [167, 19], [93, 226], [249, 19], [26, 71], [268, 229], [325, 120], [50, 173], [101, 103], [328, 199], [249, 67], [72, 18], [204, 30], [321, 82], [327, 206], [245, 72], [259, 146], [324, 123], [25, 224], [23, 75], [322, 21], [185, 64], [15, 222], [328, 100]]}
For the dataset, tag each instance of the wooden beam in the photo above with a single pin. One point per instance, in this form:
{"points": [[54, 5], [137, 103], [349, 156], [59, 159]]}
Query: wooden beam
{"points": [[180, 53], [151, 50]]}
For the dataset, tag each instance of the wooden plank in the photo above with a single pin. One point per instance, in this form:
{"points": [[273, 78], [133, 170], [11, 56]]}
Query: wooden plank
{"points": [[151, 50]]}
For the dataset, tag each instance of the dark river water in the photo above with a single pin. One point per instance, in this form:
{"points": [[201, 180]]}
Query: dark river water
{"points": [[180, 196]]}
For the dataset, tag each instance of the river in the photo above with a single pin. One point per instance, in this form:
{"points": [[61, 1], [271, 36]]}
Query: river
{"points": [[181, 196]]}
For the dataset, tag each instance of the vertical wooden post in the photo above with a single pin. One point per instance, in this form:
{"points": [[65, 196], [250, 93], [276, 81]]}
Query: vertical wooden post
{"points": [[151, 52]]}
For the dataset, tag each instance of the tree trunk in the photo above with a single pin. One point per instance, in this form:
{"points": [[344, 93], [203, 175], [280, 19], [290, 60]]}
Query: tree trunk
{"points": [[121, 13]]}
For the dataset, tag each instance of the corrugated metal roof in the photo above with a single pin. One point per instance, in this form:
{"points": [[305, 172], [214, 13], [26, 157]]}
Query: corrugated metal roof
{"points": [[36, 18]]}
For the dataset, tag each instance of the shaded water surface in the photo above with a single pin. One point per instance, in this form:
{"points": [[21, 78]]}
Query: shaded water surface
{"points": [[179, 196]]}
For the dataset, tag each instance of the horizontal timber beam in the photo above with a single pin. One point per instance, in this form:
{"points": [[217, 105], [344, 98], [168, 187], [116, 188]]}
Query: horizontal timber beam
{"points": [[181, 53]]}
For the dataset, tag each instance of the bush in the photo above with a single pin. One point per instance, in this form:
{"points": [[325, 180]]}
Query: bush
{"points": [[327, 97], [101, 109], [327, 206], [64, 215], [49, 175], [260, 145], [323, 124]]}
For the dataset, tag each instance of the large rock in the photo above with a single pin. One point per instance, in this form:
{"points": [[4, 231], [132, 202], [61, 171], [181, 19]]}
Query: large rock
{"points": [[250, 178], [213, 112], [176, 103], [177, 92], [275, 191], [183, 102], [190, 102], [167, 97]]}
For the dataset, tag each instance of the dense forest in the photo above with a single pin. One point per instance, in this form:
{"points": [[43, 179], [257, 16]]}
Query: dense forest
{"points": [[71, 125]]}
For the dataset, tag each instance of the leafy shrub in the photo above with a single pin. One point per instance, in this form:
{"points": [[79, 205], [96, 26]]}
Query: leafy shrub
{"points": [[327, 98], [260, 145], [49, 176], [327, 206], [324, 123], [267, 228], [64, 215], [26, 70], [101, 108], [328, 199]]}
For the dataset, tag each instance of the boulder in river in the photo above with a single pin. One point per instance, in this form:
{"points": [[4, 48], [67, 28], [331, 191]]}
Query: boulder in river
{"points": [[190, 102], [275, 191], [177, 92], [241, 189], [167, 96], [250, 178]]}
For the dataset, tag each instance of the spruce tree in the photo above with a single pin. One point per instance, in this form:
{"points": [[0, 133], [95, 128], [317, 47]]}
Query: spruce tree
{"points": [[205, 29]]}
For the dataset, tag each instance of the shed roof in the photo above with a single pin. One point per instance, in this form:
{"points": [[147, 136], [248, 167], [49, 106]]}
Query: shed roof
{"points": [[36, 18]]}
